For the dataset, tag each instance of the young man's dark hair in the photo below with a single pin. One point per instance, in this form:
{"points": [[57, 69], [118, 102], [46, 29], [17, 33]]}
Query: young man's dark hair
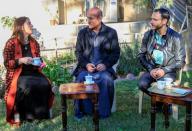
{"points": [[165, 14]]}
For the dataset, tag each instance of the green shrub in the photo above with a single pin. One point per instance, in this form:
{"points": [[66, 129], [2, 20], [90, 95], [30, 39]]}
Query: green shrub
{"points": [[67, 58], [56, 73], [128, 62], [64, 59], [2, 81], [186, 78]]}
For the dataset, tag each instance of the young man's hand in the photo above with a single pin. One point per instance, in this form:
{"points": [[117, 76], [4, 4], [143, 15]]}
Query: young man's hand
{"points": [[157, 73]]}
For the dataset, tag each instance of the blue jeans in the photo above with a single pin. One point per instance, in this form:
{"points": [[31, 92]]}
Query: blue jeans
{"points": [[106, 86]]}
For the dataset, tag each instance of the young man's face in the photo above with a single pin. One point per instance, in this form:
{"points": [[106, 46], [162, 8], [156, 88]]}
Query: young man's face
{"points": [[157, 21]]}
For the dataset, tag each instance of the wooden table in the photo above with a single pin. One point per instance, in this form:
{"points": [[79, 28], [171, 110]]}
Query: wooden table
{"points": [[79, 91], [184, 101]]}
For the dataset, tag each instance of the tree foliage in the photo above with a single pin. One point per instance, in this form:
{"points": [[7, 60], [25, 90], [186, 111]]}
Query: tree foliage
{"points": [[166, 3], [7, 21]]}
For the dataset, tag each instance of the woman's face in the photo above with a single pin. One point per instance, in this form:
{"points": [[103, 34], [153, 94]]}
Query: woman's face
{"points": [[27, 27]]}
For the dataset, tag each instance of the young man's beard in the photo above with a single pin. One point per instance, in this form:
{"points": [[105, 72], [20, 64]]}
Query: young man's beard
{"points": [[158, 27]]}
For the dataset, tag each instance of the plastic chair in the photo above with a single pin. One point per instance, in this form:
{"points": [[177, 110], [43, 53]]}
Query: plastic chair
{"points": [[113, 109]]}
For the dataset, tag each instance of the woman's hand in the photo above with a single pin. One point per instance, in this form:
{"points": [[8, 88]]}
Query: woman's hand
{"points": [[26, 60]]}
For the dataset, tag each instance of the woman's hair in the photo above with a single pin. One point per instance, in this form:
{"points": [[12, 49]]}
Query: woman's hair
{"points": [[17, 28]]}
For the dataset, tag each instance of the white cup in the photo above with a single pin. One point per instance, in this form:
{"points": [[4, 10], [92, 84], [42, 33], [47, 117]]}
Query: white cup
{"points": [[36, 61], [168, 82], [89, 79], [160, 84]]}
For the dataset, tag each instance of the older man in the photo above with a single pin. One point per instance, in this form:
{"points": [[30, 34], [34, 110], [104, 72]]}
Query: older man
{"points": [[162, 52], [97, 50]]}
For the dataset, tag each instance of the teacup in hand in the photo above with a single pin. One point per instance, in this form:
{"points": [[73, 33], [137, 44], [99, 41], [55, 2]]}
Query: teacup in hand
{"points": [[37, 61]]}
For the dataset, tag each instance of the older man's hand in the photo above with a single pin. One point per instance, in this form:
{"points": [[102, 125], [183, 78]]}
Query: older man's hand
{"points": [[100, 67], [90, 67]]}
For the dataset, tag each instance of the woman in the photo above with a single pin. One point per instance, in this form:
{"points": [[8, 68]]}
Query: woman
{"points": [[28, 92]]}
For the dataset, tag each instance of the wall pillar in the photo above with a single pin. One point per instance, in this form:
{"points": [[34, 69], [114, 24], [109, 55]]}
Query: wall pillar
{"points": [[113, 10]]}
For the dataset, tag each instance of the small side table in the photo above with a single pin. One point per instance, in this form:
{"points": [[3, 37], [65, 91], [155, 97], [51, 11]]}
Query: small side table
{"points": [[170, 99], [79, 91]]}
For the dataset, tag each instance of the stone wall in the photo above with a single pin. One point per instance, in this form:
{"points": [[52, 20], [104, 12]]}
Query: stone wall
{"points": [[129, 11], [126, 11]]}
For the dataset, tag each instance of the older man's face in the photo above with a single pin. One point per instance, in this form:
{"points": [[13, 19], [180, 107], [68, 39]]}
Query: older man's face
{"points": [[93, 19]]}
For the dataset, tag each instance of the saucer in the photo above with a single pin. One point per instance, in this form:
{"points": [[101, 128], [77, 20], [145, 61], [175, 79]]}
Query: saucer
{"points": [[89, 87], [87, 83]]}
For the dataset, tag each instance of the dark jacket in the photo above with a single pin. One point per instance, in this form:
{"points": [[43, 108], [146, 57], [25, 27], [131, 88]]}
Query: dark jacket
{"points": [[109, 48], [174, 51]]}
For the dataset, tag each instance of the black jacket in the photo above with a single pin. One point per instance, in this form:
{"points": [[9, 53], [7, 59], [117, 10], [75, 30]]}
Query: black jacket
{"points": [[109, 48], [174, 51]]}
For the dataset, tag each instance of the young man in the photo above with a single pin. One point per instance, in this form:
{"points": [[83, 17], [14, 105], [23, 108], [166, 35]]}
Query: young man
{"points": [[97, 50], [162, 52]]}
